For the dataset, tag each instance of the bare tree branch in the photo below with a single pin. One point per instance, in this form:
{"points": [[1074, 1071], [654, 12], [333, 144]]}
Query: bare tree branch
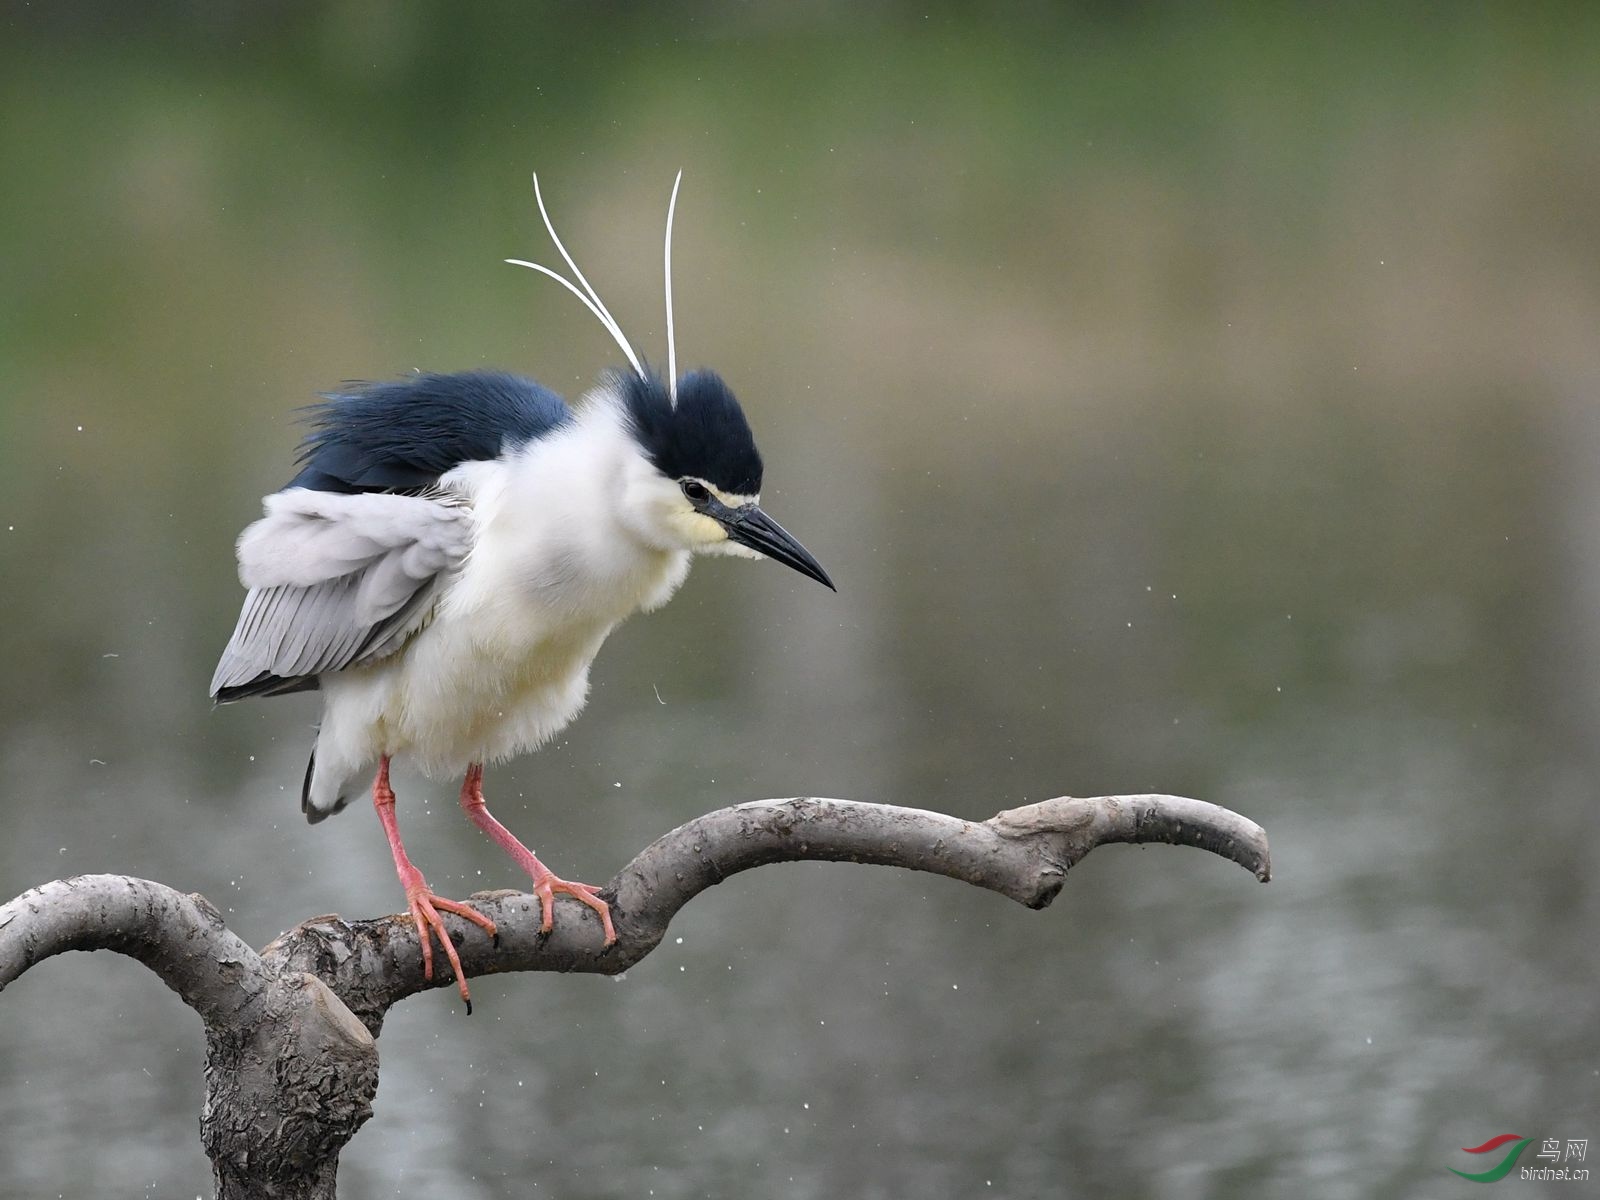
{"points": [[181, 938], [291, 1066], [1023, 853]]}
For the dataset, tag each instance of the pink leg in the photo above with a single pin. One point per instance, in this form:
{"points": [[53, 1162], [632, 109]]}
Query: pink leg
{"points": [[545, 884], [420, 899]]}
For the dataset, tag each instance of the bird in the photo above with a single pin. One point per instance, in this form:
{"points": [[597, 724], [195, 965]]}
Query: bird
{"points": [[454, 550]]}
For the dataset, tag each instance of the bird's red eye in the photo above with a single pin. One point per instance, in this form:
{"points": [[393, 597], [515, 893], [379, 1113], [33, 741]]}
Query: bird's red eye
{"points": [[696, 491]]}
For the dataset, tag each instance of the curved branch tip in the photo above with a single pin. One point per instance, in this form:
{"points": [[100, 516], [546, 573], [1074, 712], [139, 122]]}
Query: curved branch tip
{"points": [[1079, 824]]}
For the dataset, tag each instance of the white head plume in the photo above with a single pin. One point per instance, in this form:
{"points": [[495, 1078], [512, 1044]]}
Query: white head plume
{"points": [[672, 345], [591, 300]]}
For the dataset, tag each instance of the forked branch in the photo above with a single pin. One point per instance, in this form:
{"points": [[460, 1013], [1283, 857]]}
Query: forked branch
{"points": [[1023, 853], [290, 1065]]}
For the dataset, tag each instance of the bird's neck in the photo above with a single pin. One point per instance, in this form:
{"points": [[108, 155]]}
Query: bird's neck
{"points": [[558, 518]]}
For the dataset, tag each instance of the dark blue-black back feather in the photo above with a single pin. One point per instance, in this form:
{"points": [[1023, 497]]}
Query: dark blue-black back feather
{"points": [[400, 436]]}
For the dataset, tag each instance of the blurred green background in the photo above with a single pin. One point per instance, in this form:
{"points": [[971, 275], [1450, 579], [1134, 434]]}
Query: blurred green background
{"points": [[1198, 400]]}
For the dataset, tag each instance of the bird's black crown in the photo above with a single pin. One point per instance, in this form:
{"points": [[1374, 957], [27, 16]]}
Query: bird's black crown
{"points": [[705, 435]]}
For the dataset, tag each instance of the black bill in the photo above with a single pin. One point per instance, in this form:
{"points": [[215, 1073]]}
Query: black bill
{"points": [[751, 527]]}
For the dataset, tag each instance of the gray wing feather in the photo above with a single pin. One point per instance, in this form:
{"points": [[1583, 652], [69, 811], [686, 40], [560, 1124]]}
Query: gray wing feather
{"points": [[338, 580]]}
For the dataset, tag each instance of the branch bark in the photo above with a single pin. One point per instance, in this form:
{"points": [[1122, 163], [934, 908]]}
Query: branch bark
{"points": [[291, 1063]]}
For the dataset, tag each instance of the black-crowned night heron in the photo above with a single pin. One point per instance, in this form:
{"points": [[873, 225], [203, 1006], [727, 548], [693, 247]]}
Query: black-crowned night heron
{"points": [[454, 551]]}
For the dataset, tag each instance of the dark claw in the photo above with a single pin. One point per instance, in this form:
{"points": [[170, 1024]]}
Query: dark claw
{"points": [[469, 1007], [496, 939]]}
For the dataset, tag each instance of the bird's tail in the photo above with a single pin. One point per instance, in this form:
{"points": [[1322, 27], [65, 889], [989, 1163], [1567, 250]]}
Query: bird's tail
{"points": [[323, 794]]}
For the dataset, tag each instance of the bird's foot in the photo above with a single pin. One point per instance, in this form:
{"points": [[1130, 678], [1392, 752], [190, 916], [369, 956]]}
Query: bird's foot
{"points": [[546, 885], [425, 907]]}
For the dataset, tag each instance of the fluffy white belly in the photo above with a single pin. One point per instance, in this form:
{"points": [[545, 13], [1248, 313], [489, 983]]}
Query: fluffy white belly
{"points": [[462, 695], [502, 667]]}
